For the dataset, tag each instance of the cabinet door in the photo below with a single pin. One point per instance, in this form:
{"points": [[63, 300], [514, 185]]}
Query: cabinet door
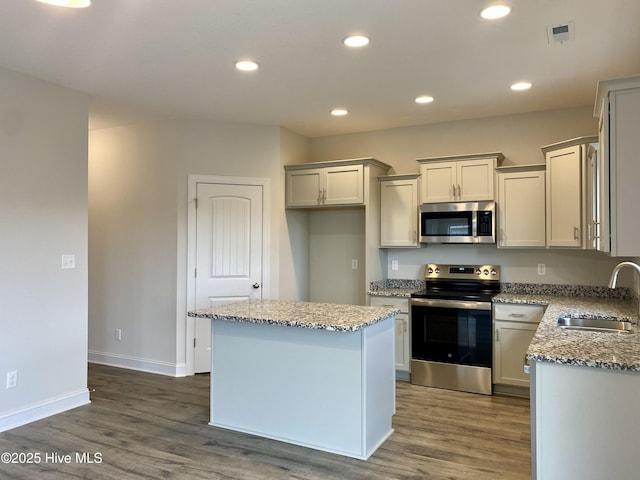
{"points": [[521, 209], [402, 334], [511, 342], [399, 213], [304, 187], [624, 148], [402, 342], [564, 197], [438, 182], [604, 243], [592, 201], [474, 180], [343, 185]]}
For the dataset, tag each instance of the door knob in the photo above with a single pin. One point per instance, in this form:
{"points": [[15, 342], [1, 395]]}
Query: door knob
{"points": [[256, 285]]}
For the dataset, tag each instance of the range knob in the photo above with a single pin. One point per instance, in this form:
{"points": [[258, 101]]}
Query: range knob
{"points": [[478, 271], [493, 272], [429, 270], [485, 271], [437, 271]]}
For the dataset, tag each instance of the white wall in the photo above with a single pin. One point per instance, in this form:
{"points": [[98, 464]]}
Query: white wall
{"points": [[294, 227], [519, 138], [132, 246], [43, 215], [138, 201]]}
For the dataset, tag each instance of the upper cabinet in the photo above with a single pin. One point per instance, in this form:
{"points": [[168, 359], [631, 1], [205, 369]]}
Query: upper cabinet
{"points": [[521, 206], [325, 184], [399, 210], [566, 191], [618, 109], [458, 178]]}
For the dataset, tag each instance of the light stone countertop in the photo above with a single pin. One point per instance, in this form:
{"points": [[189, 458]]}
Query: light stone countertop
{"points": [[318, 316], [582, 348]]}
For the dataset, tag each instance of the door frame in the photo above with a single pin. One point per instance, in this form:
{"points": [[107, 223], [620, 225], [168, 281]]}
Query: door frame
{"points": [[193, 181]]}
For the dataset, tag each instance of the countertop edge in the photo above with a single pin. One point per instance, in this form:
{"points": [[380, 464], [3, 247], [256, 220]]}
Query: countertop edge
{"points": [[277, 315]]}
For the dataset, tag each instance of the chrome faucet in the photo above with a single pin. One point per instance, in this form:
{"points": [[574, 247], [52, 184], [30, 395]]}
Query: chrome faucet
{"points": [[616, 270]]}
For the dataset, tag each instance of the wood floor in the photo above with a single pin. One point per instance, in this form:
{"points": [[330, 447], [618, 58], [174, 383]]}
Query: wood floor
{"points": [[145, 426]]}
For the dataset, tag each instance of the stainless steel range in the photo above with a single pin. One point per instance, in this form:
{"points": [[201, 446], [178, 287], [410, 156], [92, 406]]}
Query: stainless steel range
{"points": [[451, 327]]}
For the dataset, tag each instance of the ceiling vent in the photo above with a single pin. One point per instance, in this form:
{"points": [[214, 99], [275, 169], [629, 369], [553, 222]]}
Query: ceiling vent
{"points": [[561, 33]]}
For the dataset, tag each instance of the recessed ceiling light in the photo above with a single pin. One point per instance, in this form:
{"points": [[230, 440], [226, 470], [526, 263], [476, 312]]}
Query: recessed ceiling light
{"points": [[67, 3], [339, 112], [424, 99], [521, 86], [356, 41], [495, 11], [247, 65]]}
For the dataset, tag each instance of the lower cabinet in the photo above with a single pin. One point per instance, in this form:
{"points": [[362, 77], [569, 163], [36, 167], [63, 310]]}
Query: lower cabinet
{"points": [[514, 327], [402, 352]]}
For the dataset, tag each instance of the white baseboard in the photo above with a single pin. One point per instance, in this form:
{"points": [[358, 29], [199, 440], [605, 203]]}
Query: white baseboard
{"points": [[136, 363], [44, 409]]}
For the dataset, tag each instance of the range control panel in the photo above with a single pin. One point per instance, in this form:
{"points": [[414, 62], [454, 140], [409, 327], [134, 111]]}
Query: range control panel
{"points": [[462, 272]]}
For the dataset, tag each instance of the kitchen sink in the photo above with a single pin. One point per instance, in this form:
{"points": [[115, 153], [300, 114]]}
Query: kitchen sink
{"points": [[595, 323]]}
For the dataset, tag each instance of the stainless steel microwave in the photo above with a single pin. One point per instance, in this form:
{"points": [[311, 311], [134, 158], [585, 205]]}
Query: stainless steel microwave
{"points": [[458, 222]]}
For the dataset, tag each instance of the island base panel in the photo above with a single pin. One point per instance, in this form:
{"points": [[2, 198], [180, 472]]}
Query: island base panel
{"points": [[328, 390]]}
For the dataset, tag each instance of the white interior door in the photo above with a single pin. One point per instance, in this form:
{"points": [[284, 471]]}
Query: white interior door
{"points": [[229, 229]]}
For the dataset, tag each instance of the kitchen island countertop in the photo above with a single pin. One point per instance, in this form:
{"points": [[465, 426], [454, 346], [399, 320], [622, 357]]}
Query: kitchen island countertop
{"points": [[318, 316], [582, 348], [327, 383]]}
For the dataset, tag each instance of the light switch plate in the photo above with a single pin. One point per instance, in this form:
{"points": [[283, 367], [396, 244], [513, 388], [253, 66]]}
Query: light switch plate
{"points": [[394, 264], [68, 262]]}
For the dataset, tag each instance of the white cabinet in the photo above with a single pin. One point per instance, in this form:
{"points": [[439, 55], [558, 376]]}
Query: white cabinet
{"points": [[618, 109], [565, 192], [592, 199], [459, 178], [521, 206], [514, 327], [336, 185], [402, 352], [399, 210]]}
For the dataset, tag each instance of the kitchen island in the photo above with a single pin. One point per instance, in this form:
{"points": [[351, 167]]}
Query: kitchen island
{"points": [[313, 374], [585, 387]]}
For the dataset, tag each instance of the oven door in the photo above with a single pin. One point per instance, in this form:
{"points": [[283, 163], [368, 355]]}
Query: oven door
{"points": [[451, 331]]}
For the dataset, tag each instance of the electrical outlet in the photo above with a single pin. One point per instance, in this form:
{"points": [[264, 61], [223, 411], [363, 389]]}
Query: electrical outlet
{"points": [[542, 269], [118, 334], [394, 264], [354, 264], [12, 379], [68, 262]]}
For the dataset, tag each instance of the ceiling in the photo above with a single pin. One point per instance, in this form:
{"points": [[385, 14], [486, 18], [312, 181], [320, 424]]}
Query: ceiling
{"points": [[176, 58]]}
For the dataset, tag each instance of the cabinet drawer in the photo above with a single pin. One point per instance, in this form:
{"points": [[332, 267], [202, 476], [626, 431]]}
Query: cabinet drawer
{"points": [[518, 313], [395, 302]]}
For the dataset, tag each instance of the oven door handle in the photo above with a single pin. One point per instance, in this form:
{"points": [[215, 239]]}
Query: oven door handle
{"points": [[461, 304]]}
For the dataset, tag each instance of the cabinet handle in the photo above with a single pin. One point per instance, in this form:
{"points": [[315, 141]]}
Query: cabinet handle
{"points": [[454, 191], [459, 192], [596, 230], [415, 236], [497, 335], [517, 315], [576, 233]]}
